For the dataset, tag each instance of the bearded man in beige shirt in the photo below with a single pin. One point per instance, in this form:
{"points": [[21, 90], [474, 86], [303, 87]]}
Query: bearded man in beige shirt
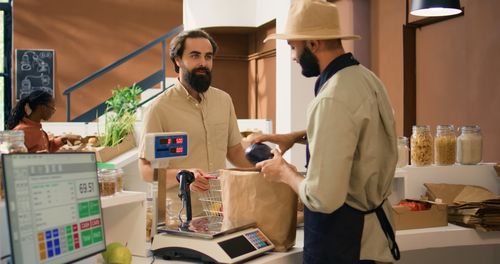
{"points": [[204, 112]]}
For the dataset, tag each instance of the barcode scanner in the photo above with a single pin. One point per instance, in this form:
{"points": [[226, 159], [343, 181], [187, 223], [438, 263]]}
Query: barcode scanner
{"points": [[185, 177]]}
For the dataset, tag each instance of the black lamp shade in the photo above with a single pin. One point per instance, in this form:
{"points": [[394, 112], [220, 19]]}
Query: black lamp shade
{"points": [[435, 7]]}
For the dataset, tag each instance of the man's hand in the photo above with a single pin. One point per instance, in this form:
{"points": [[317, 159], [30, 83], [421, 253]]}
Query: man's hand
{"points": [[276, 169], [200, 183]]}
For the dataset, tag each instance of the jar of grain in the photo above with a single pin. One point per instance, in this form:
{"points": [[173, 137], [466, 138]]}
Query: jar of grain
{"points": [[119, 180], [470, 145], [403, 152], [445, 145], [421, 146], [107, 181]]}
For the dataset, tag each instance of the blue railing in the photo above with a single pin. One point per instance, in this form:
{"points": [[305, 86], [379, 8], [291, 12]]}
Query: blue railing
{"points": [[148, 82]]}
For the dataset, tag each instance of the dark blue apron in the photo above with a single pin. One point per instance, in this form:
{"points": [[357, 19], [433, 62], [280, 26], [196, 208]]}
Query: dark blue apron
{"points": [[336, 238]]}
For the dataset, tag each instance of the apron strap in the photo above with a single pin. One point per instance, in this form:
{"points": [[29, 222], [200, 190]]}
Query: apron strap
{"points": [[387, 228]]}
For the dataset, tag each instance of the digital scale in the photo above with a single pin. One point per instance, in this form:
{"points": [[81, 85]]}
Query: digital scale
{"points": [[206, 239]]}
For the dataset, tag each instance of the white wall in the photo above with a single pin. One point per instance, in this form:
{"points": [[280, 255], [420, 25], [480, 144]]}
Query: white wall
{"points": [[294, 92], [228, 13]]}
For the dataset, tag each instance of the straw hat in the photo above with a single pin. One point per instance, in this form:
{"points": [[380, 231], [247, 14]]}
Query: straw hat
{"points": [[312, 20]]}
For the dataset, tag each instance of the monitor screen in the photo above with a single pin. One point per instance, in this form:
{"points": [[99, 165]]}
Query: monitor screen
{"points": [[53, 207]]}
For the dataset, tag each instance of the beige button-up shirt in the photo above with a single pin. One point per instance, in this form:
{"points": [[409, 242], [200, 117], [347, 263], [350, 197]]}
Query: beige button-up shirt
{"points": [[352, 141], [211, 126]]}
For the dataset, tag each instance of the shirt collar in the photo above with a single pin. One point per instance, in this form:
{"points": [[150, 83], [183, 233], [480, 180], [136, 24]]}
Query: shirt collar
{"points": [[31, 123], [343, 61], [188, 96]]}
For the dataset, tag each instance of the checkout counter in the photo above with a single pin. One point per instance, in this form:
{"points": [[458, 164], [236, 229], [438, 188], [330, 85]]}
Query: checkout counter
{"points": [[447, 244]]}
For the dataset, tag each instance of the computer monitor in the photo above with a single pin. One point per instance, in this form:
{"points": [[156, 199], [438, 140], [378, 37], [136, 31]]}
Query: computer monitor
{"points": [[53, 207]]}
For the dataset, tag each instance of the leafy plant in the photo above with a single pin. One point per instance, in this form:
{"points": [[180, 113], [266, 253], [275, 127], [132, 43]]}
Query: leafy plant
{"points": [[120, 114]]}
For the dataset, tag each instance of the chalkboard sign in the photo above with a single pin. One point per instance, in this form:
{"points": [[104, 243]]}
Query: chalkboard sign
{"points": [[34, 71]]}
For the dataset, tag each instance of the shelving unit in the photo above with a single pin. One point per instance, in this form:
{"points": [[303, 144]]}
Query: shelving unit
{"points": [[125, 220], [445, 236]]}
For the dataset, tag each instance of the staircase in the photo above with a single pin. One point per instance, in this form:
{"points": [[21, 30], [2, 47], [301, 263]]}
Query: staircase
{"points": [[156, 77]]}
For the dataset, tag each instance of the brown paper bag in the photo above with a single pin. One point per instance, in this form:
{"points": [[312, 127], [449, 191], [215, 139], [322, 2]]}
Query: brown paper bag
{"points": [[248, 197]]}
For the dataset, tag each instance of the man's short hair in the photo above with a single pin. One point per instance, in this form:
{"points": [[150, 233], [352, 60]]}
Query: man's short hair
{"points": [[178, 42]]}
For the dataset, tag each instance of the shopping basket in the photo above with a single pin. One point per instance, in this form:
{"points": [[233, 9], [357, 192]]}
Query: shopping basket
{"points": [[211, 200]]}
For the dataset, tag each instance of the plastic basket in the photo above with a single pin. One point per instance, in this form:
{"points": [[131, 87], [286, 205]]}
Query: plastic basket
{"points": [[211, 200]]}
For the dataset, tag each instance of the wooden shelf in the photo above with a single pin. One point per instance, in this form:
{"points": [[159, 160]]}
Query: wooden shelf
{"points": [[125, 158]]}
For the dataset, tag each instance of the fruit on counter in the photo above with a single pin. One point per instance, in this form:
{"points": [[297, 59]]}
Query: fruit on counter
{"points": [[117, 253]]}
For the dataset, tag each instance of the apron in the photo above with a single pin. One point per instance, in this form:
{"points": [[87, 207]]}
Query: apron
{"points": [[336, 237]]}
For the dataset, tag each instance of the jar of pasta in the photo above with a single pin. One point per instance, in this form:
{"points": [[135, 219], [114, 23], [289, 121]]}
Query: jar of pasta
{"points": [[470, 145], [421, 146], [403, 152], [445, 145]]}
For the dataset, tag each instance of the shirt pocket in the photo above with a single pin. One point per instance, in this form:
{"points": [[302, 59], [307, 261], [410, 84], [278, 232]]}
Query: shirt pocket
{"points": [[220, 135]]}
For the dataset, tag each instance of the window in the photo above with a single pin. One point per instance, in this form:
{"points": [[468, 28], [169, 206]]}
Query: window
{"points": [[5, 60]]}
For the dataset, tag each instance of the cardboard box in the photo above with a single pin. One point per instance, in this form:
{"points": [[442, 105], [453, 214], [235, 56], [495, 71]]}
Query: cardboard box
{"points": [[104, 154], [404, 218]]}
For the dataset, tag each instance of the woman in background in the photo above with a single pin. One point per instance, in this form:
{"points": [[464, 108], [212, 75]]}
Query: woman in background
{"points": [[27, 116]]}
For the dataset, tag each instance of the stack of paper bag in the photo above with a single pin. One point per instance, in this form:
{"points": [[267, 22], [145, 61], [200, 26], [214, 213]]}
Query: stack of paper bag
{"points": [[470, 206]]}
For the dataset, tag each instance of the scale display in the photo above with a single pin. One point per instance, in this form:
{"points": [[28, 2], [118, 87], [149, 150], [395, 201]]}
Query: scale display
{"points": [[54, 207], [170, 146]]}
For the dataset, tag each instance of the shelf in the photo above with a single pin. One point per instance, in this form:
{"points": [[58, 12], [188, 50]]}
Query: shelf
{"points": [[121, 198], [125, 158], [446, 236]]}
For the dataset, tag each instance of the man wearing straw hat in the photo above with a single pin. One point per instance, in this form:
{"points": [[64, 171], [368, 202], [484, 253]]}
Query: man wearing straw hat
{"points": [[351, 151]]}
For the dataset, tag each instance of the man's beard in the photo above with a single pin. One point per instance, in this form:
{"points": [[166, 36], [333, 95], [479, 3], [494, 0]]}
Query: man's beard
{"points": [[199, 82], [309, 63]]}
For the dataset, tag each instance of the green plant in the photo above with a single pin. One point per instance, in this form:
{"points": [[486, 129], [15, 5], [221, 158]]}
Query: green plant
{"points": [[120, 114]]}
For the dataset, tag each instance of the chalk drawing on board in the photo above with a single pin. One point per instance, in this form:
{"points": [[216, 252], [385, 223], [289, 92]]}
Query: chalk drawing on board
{"points": [[34, 71]]}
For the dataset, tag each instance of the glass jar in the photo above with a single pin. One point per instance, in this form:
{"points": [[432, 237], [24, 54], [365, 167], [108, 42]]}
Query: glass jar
{"points": [[470, 145], [2, 141], [149, 218], [5, 142], [16, 138], [119, 180], [107, 181], [403, 152], [445, 145], [421, 146]]}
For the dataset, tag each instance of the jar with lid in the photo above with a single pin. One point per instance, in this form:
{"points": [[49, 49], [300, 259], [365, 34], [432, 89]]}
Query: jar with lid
{"points": [[421, 145], [403, 152], [107, 182], [16, 139], [119, 180], [445, 145], [470, 145]]}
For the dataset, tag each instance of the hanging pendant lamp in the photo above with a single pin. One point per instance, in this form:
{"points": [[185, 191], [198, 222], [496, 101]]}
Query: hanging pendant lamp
{"points": [[433, 8]]}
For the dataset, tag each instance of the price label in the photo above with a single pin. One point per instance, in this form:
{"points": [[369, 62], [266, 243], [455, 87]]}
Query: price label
{"points": [[86, 188]]}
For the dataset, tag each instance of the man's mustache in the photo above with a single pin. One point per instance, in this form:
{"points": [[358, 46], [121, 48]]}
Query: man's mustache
{"points": [[202, 69]]}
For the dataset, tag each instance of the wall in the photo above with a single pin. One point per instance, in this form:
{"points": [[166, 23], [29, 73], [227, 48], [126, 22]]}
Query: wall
{"points": [[457, 62], [230, 67], [88, 35]]}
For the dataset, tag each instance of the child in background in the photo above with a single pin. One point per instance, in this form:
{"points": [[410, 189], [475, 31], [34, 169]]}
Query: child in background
{"points": [[27, 116]]}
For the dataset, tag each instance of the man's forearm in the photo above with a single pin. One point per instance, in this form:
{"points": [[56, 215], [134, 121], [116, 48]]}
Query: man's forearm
{"points": [[147, 173], [299, 136]]}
